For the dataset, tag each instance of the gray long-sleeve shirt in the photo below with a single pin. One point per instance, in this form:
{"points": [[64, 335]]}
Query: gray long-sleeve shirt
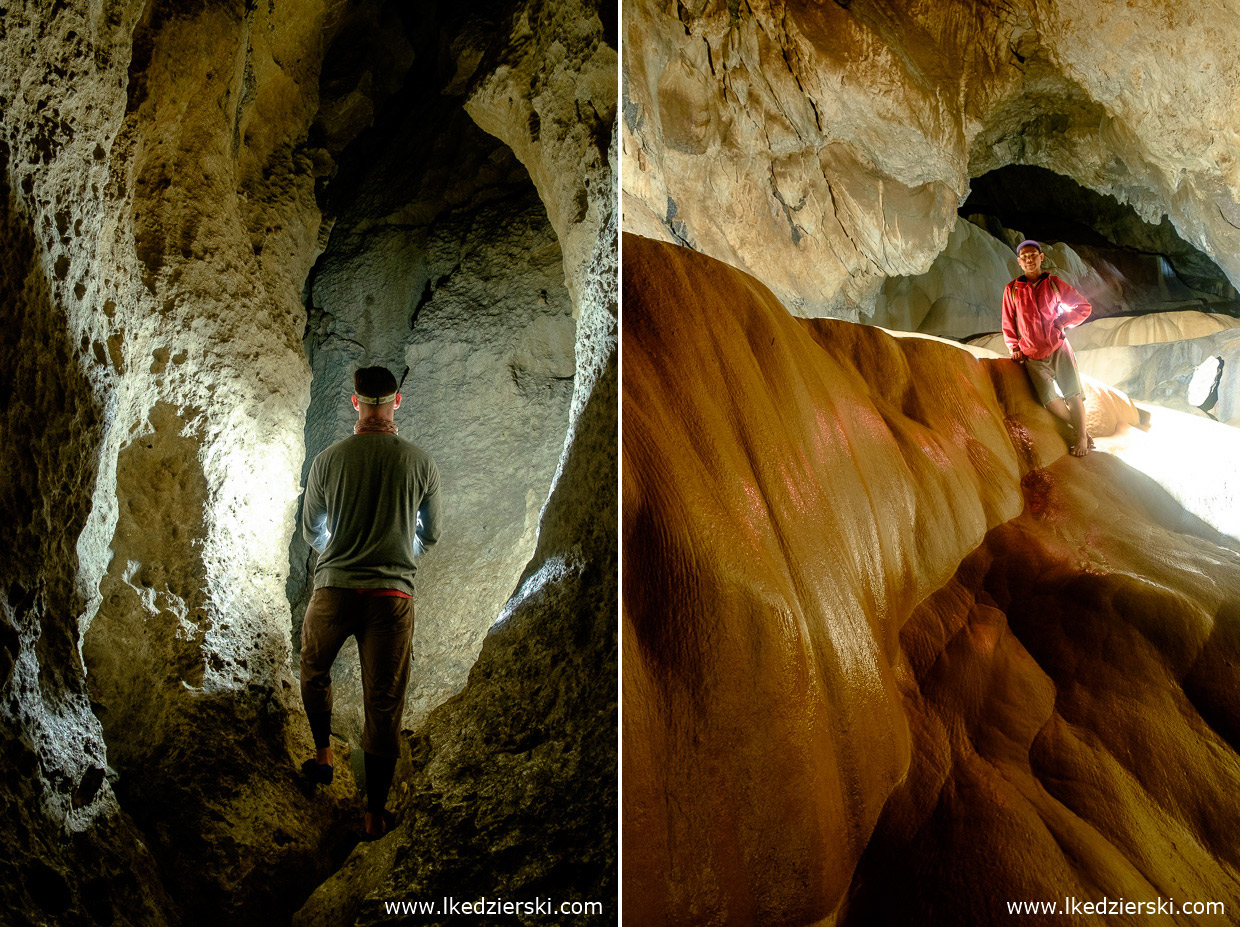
{"points": [[370, 500]]}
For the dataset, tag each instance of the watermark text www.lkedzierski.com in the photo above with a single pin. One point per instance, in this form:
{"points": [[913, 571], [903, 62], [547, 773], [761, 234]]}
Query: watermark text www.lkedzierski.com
{"points": [[1105, 906], [493, 906]]}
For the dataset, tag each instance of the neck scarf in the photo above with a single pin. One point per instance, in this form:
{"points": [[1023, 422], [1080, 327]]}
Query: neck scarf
{"points": [[374, 426]]}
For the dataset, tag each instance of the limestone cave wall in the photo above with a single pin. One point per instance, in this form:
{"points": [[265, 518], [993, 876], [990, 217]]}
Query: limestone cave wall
{"points": [[520, 767], [172, 174], [825, 147], [441, 264]]}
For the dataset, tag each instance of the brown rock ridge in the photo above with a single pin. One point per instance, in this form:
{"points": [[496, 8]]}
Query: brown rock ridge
{"points": [[801, 500], [1071, 694]]}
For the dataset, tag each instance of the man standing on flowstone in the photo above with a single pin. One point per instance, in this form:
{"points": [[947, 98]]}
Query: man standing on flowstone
{"points": [[1037, 307], [371, 505]]}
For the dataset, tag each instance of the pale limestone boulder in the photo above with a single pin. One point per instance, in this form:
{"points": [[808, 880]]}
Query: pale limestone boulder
{"points": [[959, 296], [1157, 328], [1161, 373]]}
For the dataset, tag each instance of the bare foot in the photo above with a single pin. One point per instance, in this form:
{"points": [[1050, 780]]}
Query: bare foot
{"points": [[377, 824], [1081, 448]]}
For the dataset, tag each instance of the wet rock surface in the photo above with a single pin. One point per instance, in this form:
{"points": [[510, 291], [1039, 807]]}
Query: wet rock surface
{"points": [[920, 638], [1091, 599]]}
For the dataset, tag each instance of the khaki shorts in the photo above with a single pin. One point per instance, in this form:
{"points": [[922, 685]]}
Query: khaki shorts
{"points": [[1059, 367]]}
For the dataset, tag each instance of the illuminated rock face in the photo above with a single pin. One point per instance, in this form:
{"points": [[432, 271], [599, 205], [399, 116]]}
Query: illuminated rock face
{"points": [[1071, 698], [819, 676], [823, 147], [521, 765], [166, 176], [442, 263], [157, 173]]}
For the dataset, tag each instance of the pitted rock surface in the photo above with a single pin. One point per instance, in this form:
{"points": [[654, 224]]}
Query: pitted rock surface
{"points": [[169, 177]]}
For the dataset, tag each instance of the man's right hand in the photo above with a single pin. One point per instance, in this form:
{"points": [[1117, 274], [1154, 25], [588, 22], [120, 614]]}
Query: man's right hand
{"points": [[1018, 355]]}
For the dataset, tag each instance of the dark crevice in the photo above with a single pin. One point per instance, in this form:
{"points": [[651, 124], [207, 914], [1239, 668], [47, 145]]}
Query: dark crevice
{"points": [[1050, 207]]}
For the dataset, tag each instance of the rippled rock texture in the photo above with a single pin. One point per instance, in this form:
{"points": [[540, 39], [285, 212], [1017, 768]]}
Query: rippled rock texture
{"points": [[890, 654], [823, 147], [171, 174]]}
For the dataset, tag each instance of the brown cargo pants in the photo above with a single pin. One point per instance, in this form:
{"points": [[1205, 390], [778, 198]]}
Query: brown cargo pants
{"points": [[383, 627]]}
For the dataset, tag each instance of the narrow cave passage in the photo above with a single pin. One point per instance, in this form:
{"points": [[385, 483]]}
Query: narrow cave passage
{"points": [[441, 265], [209, 215]]}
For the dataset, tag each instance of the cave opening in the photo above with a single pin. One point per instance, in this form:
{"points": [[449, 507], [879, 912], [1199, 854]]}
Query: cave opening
{"points": [[1137, 266], [1127, 267]]}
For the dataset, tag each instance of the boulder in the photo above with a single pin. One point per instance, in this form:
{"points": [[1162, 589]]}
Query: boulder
{"points": [[1162, 373], [1203, 387]]}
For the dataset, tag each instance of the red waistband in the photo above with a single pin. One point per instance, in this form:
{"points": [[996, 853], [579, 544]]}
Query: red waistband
{"points": [[395, 593]]}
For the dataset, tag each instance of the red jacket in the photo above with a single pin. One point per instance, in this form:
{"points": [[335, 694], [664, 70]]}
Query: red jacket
{"points": [[1035, 314]]}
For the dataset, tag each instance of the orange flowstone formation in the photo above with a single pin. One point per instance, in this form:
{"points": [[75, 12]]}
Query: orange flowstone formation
{"points": [[798, 496], [1073, 694]]}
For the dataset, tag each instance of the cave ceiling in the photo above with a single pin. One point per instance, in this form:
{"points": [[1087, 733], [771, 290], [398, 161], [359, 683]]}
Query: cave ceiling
{"points": [[824, 147]]}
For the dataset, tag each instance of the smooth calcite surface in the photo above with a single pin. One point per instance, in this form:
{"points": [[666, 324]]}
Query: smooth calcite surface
{"points": [[817, 709]]}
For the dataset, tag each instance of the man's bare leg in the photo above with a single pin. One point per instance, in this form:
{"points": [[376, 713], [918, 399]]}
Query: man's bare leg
{"points": [[1058, 408], [324, 757], [1072, 411], [375, 825], [1076, 406]]}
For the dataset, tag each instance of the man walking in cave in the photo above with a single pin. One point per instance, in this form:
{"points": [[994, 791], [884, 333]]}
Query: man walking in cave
{"points": [[371, 505], [1037, 308]]}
